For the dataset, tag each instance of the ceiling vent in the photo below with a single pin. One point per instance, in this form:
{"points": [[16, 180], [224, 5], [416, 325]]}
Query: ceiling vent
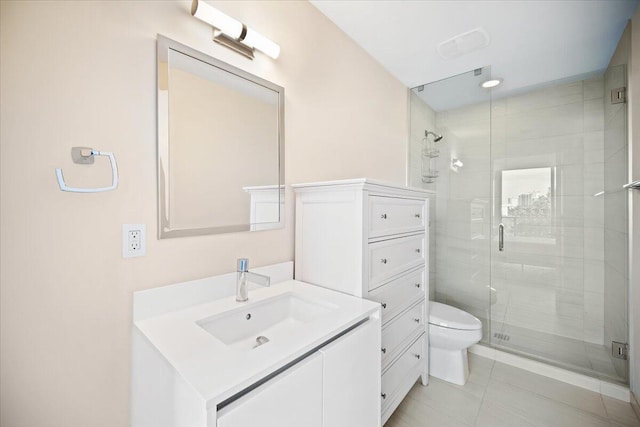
{"points": [[464, 43]]}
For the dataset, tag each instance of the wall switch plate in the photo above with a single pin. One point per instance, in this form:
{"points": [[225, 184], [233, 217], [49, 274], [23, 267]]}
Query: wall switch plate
{"points": [[134, 240]]}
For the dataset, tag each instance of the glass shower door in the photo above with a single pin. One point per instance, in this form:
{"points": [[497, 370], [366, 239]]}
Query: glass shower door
{"points": [[544, 169], [558, 160], [457, 167]]}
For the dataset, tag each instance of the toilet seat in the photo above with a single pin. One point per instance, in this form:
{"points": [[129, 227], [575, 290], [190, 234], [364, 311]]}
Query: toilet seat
{"points": [[445, 316]]}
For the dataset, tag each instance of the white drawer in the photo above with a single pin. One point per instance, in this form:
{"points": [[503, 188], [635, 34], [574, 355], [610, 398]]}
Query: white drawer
{"points": [[410, 364], [400, 329], [398, 294], [391, 257], [392, 215]]}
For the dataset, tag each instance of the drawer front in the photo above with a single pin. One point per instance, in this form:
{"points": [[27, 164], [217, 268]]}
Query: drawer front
{"points": [[391, 257], [398, 294], [409, 364], [391, 215], [400, 329]]}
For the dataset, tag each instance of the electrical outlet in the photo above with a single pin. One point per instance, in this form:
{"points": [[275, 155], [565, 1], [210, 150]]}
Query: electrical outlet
{"points": [[134, 238]]}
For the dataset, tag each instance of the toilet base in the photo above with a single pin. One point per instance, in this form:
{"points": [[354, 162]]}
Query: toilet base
{"points": [[449, 365]]}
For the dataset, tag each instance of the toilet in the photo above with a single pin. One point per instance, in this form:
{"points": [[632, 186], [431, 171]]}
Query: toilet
{"points": [[451, 332]]}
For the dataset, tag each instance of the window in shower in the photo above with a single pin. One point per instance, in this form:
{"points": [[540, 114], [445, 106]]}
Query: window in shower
{"points": [[527, 207]]}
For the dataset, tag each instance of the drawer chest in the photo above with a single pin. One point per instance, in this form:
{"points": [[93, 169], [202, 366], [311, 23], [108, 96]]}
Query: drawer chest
{"points": [[370, 239]]}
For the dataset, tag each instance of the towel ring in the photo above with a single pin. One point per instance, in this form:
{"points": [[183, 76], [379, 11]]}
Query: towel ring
{"points": [[83, 155]]}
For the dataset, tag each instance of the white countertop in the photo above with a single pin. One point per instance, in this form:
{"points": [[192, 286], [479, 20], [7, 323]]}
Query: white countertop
{"points": [[217, 371]]}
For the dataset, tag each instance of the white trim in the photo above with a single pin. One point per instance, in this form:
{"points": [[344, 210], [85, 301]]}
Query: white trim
{"points": [[579, 380]]}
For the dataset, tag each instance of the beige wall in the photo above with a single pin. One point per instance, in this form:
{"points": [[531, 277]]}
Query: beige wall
{"points": [[83, 73]]}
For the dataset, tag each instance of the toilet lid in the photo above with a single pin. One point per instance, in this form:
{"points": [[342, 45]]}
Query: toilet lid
{"points": [[450, 317]]}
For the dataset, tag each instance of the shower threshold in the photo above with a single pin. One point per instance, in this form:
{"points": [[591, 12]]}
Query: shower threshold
{"points": [[610, 388]]}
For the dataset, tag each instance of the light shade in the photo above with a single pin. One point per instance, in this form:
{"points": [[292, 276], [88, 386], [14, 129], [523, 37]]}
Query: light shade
{"points": [[216, 18], [233, 33], [256, 40]]}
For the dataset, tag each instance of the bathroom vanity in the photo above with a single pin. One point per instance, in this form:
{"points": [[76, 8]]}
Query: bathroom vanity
{"points": [[370, 239], [292, 355]]}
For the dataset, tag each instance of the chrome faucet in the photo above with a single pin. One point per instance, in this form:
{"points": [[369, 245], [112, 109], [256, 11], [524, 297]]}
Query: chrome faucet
{"points": [[244, 276]]}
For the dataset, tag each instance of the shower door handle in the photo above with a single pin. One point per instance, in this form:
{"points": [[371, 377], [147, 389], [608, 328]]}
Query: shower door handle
{"points": [[633, 185], [501, 237]]}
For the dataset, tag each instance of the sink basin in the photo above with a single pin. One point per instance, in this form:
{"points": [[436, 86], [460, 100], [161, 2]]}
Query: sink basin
{"points": [[247, 327]]}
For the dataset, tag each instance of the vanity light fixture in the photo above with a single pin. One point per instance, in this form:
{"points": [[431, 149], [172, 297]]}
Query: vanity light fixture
{"points": [[232, 33], [455, 164], [491, 83]]}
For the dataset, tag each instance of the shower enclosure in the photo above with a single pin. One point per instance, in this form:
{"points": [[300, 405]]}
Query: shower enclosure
{"points": [[531, 222]]}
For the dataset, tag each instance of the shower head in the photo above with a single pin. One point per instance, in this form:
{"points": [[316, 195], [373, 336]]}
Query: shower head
{"points": [[436, 137]]}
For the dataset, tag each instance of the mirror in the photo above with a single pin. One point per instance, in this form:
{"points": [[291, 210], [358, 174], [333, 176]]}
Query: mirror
{"points": [[220, 146]]}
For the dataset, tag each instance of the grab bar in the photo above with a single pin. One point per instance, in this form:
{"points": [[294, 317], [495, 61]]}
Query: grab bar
{"points": [[501, 237]]}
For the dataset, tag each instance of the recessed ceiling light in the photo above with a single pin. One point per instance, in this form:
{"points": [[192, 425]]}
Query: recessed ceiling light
{"points": [[491, 83]]}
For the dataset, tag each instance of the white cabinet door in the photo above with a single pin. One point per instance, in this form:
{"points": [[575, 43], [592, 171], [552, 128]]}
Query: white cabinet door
{"points": [[352, 378], [291, 399]]}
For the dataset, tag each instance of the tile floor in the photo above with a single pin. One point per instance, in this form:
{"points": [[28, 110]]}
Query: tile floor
{"points": [[499, 395]]}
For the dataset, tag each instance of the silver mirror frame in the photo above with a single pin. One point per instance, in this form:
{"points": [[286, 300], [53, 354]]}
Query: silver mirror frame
{"points": [[164, 45]]}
